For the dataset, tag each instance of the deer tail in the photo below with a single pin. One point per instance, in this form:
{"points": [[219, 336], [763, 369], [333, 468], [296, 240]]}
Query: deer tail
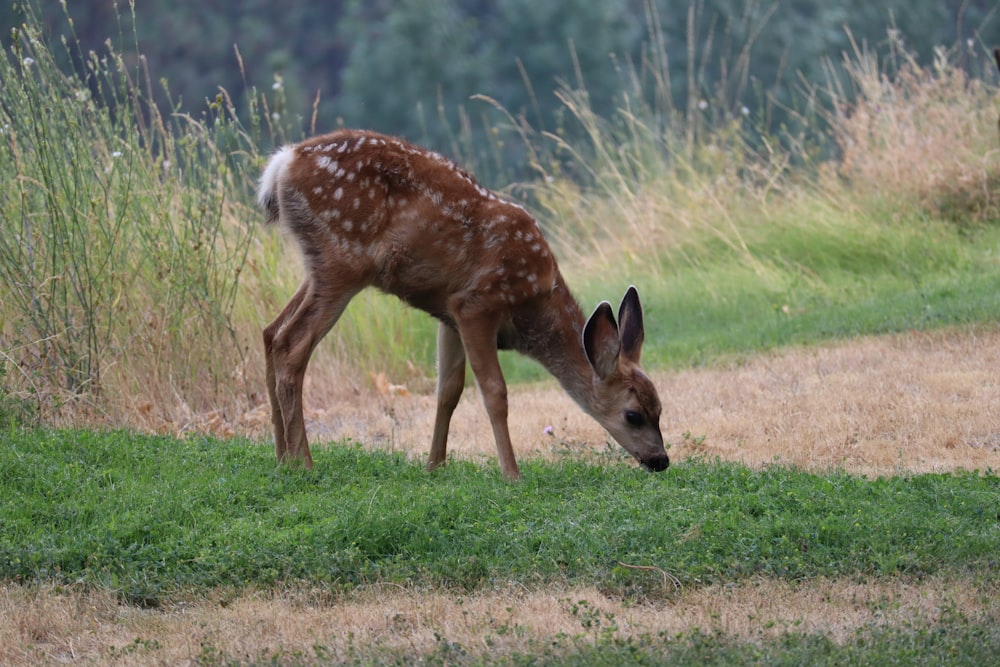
{"points": [[270, 182]]}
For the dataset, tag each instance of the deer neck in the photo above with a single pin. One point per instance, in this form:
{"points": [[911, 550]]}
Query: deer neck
{"points": [[553, 336]]}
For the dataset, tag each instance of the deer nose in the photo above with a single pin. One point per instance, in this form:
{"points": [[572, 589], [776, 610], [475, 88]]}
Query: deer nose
{"points": [[656, 463]]}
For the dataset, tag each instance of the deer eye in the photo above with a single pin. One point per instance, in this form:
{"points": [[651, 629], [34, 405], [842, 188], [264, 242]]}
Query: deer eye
{"points": [[634, 419]]}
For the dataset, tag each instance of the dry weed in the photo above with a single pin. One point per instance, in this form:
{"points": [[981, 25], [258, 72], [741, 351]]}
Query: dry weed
{"points": [[923, 136]]}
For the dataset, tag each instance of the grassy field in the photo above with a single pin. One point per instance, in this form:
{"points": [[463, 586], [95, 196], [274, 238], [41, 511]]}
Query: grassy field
{"points": [[153, 516], [157, 521]]}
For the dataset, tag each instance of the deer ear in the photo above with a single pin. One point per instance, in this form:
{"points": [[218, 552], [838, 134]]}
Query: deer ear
{"points": [[630, 323], [601, 341]]}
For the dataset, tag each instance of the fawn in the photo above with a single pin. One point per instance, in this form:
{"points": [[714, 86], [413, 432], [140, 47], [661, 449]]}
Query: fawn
{"points": [[373, 210]]}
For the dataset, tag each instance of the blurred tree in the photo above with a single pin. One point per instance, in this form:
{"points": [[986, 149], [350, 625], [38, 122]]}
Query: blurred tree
{"points": [[534, 46], [731, 44], [407, 66], [408, 63]]}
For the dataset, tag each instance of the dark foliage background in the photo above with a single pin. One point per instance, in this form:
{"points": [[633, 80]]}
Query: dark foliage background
{"points": [[412, 67]]}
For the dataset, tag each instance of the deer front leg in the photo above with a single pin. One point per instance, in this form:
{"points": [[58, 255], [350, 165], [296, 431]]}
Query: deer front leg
{"points": [[450, 383], [480, 341]]}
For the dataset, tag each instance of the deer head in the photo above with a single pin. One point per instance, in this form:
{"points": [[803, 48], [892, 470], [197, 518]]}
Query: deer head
{"points": [[625, 402]]}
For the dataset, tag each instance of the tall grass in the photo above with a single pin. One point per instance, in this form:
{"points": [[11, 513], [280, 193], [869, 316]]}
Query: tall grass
{"points": [[868, 212], [654, 184], [134, 278], [923, 139], [121, 234]]}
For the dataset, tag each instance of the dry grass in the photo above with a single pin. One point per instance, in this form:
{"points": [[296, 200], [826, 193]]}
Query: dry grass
{"points": [[920, 136], [913, 402], [916, 402], [56, 626]]}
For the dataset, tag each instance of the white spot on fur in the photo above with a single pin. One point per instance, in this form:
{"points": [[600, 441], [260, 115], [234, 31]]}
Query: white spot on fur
{"points": [[495, 241]]}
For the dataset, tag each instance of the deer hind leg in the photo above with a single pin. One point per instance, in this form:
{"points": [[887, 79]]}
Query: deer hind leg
{"points": [[480, 341], [280, 446], [451, 382], [288, 344]]}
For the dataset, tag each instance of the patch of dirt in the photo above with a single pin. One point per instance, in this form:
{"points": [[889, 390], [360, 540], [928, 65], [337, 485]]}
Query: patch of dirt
{"points": [[914, 402]]}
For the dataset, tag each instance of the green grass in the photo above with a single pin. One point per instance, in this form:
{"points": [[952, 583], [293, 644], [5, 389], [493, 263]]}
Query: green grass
{"points": [[153, 516], [906, 278], [800, 283]]}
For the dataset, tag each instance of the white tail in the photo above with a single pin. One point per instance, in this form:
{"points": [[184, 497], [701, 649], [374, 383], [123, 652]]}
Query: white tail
{"points": [[370, 210]]}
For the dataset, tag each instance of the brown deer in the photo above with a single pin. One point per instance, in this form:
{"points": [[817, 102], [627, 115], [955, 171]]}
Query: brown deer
{"points": [[372, 210]]}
